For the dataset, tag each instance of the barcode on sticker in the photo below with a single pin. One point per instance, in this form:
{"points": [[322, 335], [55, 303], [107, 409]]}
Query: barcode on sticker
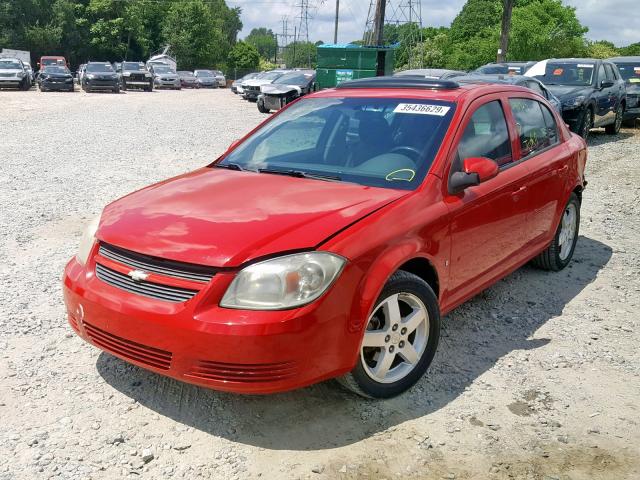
{"points": [[421, 109]]}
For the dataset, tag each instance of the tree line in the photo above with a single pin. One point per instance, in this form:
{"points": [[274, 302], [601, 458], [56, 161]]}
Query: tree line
{"points": [[201, 32]]}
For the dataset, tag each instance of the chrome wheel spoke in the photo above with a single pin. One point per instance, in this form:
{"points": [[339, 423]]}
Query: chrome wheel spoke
{"points": [[409, 354], [374, 338], [391, 309], [413, 320], [385, 360]]}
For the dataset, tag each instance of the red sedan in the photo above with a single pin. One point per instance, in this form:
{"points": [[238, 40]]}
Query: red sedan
{"points": [[330, 240]]}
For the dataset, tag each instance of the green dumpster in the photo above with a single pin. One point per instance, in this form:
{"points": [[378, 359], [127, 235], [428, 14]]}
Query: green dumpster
{"points": [[337, 63]]}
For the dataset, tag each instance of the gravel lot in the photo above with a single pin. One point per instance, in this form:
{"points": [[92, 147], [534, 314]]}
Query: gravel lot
{"points": [[536, 378]]}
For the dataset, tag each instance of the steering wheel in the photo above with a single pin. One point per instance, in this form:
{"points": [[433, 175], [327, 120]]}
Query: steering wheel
{"points": [[411, 152]]}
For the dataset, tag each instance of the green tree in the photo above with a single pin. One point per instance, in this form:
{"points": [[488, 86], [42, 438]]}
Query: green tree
{"points": [[601, 49], [631, 50], [301, 54], [264, 40], [244, 55]]}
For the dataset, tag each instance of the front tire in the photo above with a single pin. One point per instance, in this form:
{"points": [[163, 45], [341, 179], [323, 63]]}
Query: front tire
{"points": [[261, 107], [586, 124], [400, 339], [558, 255], [614, 128]]}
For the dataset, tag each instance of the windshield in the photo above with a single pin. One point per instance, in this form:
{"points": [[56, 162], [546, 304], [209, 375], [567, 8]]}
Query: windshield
{"points": [[630, 72], [204, 73], [137, 67], [578, 74], [296, 78], [186, 74], [99, 67], [379, 142], [56, 69], [10, 64]]}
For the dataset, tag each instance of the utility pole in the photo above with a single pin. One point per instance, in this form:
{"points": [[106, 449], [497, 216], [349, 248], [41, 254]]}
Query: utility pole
{"points": [[504, 33], [335, 30], [378, 23]]}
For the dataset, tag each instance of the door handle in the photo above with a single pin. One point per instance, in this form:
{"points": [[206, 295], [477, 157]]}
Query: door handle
{"points": [[563, 169]]}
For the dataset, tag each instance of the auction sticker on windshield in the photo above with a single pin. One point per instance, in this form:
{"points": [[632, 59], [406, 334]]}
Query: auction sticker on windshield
{"points": [[421, 109]]}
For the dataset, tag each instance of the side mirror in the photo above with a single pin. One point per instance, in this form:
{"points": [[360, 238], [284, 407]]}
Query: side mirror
{"points": [[475, 170], [606, 83]]}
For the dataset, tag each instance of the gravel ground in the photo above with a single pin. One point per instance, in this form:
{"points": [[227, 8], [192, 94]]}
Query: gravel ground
{"points": [[536, 378]]}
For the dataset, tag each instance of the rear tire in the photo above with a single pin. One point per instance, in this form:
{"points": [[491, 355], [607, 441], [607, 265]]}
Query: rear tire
{"points": [[399, 341], [558, 255], [614, 128]]}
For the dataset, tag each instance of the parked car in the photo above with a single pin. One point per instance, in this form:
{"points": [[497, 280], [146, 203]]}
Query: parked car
{"points": [[592, 92], [136, 75], [236, 86], [29, 70], [55, 77], [14, 74], [330, 240], [507, 68], [206, 78], [164, 76], [220, 78], [286, 89], [251, 87], [100, 76], [521, 80], [629, 68], [188, 79], [439, 73]]}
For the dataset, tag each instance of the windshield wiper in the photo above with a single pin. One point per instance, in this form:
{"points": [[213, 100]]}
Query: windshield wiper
{"points": [[301, 174], [230, 166]]}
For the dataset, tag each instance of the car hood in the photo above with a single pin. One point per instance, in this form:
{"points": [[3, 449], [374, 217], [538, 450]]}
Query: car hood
{"points": [[564, 92], [224, 218], [167, 75], [279, 89], [257, 82], [10, 70]]}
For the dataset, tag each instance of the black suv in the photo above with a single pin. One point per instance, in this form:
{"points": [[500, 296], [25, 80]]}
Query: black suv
{"points": [[100, 76], [629, 68], [592, 92]]}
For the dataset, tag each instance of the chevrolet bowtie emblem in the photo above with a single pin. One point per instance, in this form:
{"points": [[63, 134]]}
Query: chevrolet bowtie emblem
{"points": [[138, 275]]}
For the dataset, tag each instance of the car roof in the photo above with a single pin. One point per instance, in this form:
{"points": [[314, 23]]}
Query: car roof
{"points": [[575, 60], [412, 89], [495, 78], [625, 59]]}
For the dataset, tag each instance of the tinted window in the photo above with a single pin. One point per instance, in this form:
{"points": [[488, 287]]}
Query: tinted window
{"points": [[601, 73], [630, 72], [383, 142], [535, 86], [550, 122], [610, 73], [532, 129], [557, 73], [486, 135]]}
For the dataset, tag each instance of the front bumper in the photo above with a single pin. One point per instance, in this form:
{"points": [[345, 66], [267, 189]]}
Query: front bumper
{"points": [[160, 83], [633, 107], [102, 84], [225, 349], [57, 85], [10, 82], [273, 102], [251, 94]]}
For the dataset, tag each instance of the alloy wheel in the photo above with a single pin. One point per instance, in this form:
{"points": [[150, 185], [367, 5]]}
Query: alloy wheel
{"points": [[586, 125], [567, 231], [396, 337], [618, 123]]}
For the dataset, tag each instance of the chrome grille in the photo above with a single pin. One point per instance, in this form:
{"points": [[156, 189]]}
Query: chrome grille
{"points": [[161, 266], [147, 289]]}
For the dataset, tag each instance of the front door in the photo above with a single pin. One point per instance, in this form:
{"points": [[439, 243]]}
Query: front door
{"points": [[488, 220]]}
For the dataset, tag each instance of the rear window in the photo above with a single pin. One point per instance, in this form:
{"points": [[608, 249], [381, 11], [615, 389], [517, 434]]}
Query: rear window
{"points": [[380, 142]]}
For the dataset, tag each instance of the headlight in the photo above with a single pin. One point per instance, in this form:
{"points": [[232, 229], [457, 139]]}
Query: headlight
{"points": [[283, 282], [20, 74], [87, 241], [126, 74], [574, 102]]}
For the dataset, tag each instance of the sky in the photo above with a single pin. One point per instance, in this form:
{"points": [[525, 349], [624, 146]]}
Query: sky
{"points": [[614, 20]]}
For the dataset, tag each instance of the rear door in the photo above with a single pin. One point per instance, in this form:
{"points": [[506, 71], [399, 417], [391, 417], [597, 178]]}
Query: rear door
{"points": [[488, 221], [603, 99], [547, 158]]}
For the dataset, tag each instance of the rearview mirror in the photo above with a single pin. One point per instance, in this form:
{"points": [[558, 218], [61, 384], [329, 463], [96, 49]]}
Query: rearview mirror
{"points": [[606, 83], [475, 170]]}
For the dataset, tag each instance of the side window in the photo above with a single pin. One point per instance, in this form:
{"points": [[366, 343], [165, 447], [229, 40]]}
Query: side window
{"points": [[601, 73], [535, 86], [532, 129], [550, 122], [610, 74], [486, 135]]}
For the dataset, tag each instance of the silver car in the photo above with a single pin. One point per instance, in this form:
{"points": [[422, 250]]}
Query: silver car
{"points": [[220, 78], [165, 77], [206, 78], [14, 74]]}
